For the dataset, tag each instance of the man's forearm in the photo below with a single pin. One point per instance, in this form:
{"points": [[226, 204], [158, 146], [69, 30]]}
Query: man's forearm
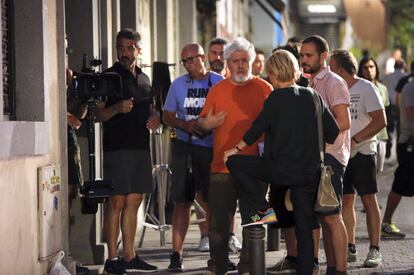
{"points": [[105, 113], [172, 121], [377, 124], [203, 125]]}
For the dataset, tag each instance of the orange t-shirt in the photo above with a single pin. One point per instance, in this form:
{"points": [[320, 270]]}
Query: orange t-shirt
{"points": [[242, 105]]}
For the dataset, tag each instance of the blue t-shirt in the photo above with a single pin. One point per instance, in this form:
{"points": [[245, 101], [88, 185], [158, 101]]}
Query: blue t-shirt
{"points": [[186, 98]]}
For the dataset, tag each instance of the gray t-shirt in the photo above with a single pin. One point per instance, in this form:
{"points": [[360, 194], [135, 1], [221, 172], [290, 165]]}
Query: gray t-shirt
{"points": [[406, 100]]}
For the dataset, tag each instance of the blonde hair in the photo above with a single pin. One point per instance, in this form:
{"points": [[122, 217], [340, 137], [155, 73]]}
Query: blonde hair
{"points": [[283, 65]]}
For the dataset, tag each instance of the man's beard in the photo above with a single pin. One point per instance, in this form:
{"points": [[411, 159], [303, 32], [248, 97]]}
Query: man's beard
{"points": [[240, 78], [217, 66], [310, 69], [125, 62]]}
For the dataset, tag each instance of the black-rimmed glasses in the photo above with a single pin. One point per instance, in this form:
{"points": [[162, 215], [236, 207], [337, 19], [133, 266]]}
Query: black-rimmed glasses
{"points": [[189, 60]]}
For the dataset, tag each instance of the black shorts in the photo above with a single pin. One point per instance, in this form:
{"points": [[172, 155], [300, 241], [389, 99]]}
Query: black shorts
{"points": [[361, 175], [186, 184], [404, 175], [337, 182], [129, 170]]}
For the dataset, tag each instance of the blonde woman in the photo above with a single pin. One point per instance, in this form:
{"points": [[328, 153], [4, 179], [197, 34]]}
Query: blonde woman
{"points": [[289, 122]]}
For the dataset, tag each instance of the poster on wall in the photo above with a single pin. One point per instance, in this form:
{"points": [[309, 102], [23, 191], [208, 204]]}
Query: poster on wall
{"points": [[49, 211]]}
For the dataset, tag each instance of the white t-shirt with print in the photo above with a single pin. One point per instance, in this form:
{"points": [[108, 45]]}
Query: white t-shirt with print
{"points": [[365, 98]]}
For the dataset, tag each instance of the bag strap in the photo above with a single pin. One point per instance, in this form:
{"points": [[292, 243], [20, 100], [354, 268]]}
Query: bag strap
{"points": [[318, 107], [188, 159]]}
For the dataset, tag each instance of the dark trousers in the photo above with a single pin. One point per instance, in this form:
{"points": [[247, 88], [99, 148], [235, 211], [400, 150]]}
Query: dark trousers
{"points": [[393, 122], [246, 170], [222, 203]]}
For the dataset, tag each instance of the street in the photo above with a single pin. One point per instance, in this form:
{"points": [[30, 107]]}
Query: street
{"points": [[398, 255]]}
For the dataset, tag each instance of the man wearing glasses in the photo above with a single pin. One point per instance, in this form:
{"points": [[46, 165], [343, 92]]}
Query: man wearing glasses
{"points": [[192, 150], [230, 108]]}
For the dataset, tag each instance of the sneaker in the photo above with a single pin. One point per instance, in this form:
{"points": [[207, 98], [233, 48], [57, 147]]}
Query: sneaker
{"points": [[114, 266], [234, 244], [81, 270], [373, 259], [391, 230], [231, 266], [316, 269], [204, 245], [284, 266], [138, 265], [176, 262], [352, 256], [259, 218]]}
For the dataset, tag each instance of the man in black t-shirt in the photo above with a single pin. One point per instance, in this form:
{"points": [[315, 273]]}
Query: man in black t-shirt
{"points": [[126, 155]]}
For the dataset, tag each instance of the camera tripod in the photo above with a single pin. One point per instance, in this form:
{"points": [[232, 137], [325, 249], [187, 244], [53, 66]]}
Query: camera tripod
{"points": [[161, 174], [95, 190]]}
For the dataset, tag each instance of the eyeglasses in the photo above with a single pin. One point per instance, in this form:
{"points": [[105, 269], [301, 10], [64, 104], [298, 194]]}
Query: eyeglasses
{"points": [[189, 60]]}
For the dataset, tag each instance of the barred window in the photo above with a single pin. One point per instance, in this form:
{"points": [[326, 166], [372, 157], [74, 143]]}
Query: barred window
{"points": [[8, 60]]}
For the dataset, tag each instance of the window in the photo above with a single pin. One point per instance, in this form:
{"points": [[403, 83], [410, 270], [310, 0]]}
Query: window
{"points": [[25, 127]]}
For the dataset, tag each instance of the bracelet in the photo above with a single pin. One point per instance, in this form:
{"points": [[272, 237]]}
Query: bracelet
{"points": [[354, 139], [237, 148]]}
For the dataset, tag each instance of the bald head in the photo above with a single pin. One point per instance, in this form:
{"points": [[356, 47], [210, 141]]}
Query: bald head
{"points": [[192, 58], [193, 47]]}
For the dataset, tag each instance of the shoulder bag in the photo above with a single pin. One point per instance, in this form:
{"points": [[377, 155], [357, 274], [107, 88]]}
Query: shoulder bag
{"points": [[326, 200]]}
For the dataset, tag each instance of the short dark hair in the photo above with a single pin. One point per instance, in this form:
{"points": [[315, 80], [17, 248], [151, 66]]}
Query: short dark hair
{"points": [[130, 34], [259, 51], [399, 64], [345, 60], [290, 48], [217, 41], [318, 41], [294, 39], [363, 62], [412, 66]]}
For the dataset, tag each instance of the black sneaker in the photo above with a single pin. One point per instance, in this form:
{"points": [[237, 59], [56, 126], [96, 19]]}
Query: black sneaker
{"points": [[81, 270], [176, 262], [114, 266], [231, 266], [138, 265]]}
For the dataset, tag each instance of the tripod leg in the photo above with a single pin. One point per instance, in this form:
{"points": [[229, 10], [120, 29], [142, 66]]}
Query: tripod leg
{"points": [[141, 239], [198, 207], [162, 183]]}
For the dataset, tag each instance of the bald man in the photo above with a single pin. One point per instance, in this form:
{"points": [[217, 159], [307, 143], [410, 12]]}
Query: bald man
{"points": [[192, 150]]}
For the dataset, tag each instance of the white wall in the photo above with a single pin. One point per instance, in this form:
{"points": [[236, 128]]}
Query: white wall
{"points": [[21, 155]]}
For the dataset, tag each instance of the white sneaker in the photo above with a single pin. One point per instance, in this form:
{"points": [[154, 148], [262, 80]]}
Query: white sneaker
{"points": [[374, 258], [234, 243], [204, 245]]}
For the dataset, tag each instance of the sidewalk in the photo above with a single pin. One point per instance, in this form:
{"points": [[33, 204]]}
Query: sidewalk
{"points": [[398, 255]]}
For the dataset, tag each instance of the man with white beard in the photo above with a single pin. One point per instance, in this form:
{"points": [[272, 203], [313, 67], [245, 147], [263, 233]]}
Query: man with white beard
{"points": [[231, 106]]}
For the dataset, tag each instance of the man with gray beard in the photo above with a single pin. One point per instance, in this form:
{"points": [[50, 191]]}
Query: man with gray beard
{"points": [[231, 106], [219, 65]]}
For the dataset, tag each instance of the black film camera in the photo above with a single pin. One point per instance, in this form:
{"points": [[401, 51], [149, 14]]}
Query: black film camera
{"points": [[91, 87]]}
